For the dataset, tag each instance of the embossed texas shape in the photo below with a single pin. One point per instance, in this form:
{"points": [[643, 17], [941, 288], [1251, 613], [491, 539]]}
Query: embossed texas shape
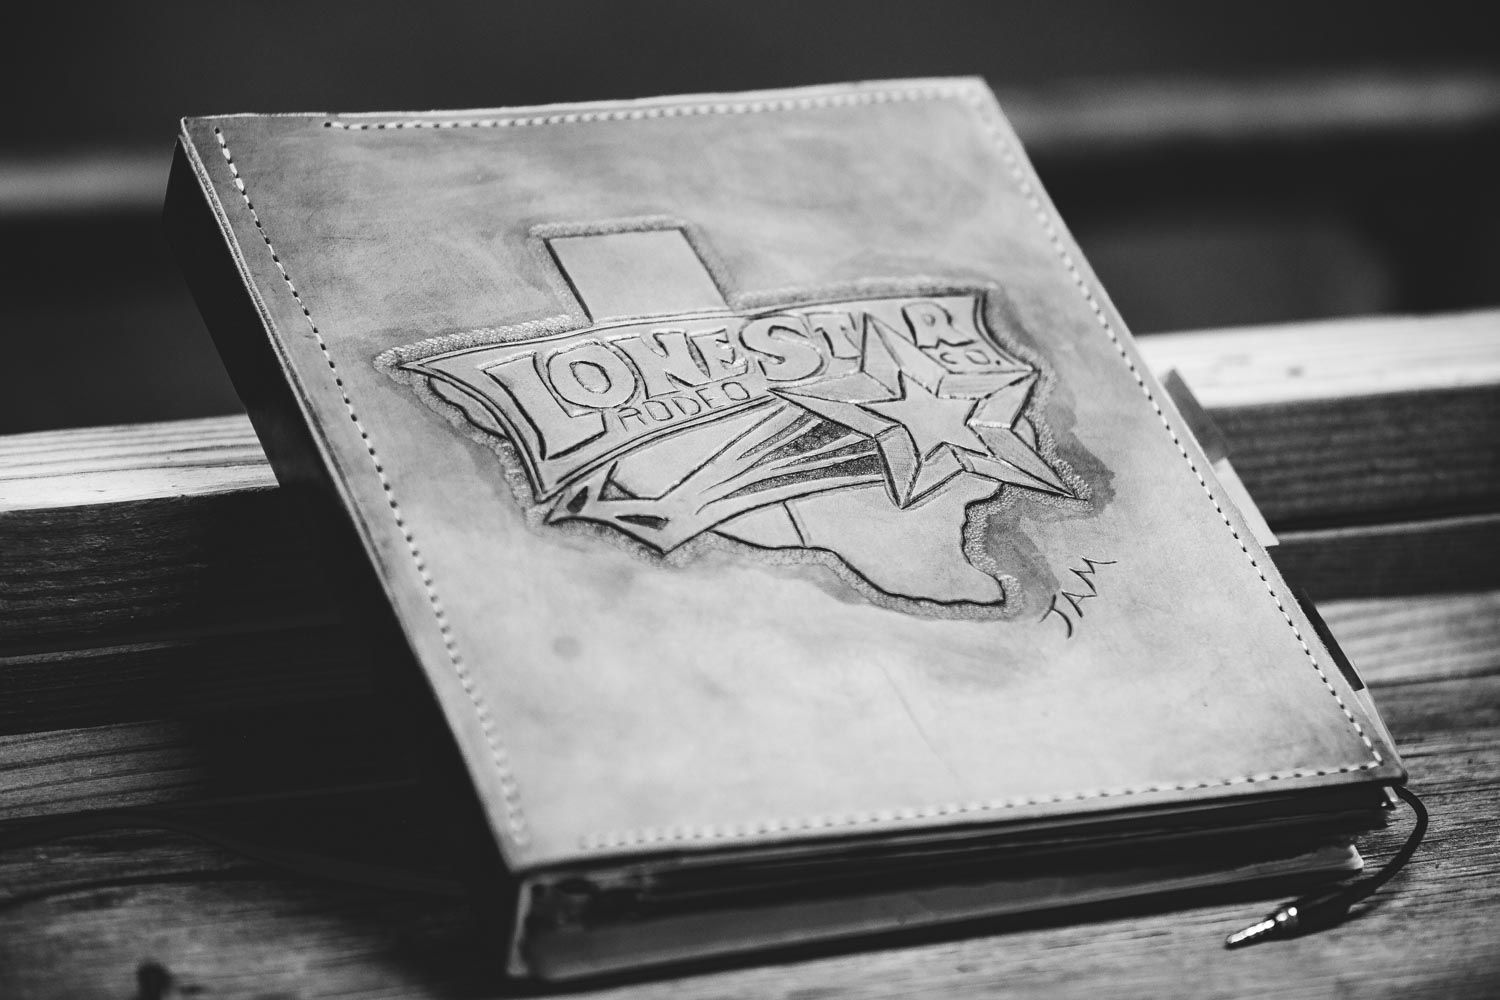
{"points": [[864, 426]]}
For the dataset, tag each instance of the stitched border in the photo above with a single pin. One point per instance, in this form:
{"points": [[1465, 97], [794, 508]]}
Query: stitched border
{"points": [[738, 107], [509, 790], [1029, 192], [977, 103]]}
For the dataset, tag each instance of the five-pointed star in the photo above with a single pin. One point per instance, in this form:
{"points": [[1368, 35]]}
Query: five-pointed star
{"points": [[932, 420], [927, 433]]}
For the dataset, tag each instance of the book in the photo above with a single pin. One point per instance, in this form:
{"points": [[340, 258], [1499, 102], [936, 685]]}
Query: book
{"points": [[778, 511]]}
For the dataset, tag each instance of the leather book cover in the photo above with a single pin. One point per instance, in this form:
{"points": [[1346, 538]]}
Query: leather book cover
{"points": [[750, 470]]}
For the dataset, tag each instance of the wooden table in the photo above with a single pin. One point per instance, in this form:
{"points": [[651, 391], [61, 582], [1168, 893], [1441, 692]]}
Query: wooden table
{"points": [[159, 648]]}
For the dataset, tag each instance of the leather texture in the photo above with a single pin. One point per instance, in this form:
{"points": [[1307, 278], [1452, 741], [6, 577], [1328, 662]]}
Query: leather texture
{"points": [[991, 578]]}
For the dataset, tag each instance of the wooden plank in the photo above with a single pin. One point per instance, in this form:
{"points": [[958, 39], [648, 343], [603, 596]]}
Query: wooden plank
{"points": [[225, 928], [1400, 640], [1364, 458], [1331, 359], [179, 678], [130, 462], [1352, 419], [139, 570], [283, 752], [1405, 557]]}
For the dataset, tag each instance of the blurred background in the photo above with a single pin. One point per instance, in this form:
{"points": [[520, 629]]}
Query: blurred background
{"points": [[1219, 164]]}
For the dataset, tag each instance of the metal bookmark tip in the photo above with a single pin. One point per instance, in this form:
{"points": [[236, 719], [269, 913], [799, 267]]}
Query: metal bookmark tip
{"points": [[1325, 909], [1250, 934]]}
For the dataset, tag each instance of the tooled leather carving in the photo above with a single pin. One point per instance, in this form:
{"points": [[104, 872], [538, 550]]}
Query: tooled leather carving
{"points": [[878, 426], [690, 698]]}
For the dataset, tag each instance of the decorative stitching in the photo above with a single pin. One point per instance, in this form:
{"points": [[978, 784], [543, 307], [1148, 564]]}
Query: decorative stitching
{"points": [[1028, 190], [667, 111], [509, 790], [628, 838]]}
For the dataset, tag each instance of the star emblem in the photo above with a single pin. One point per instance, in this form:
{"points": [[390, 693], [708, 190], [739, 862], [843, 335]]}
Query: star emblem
{"points": [[931, 420], [929, 423]]}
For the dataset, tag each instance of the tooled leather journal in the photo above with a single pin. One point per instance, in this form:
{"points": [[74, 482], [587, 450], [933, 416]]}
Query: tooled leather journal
{"points": [[779, 511]]}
